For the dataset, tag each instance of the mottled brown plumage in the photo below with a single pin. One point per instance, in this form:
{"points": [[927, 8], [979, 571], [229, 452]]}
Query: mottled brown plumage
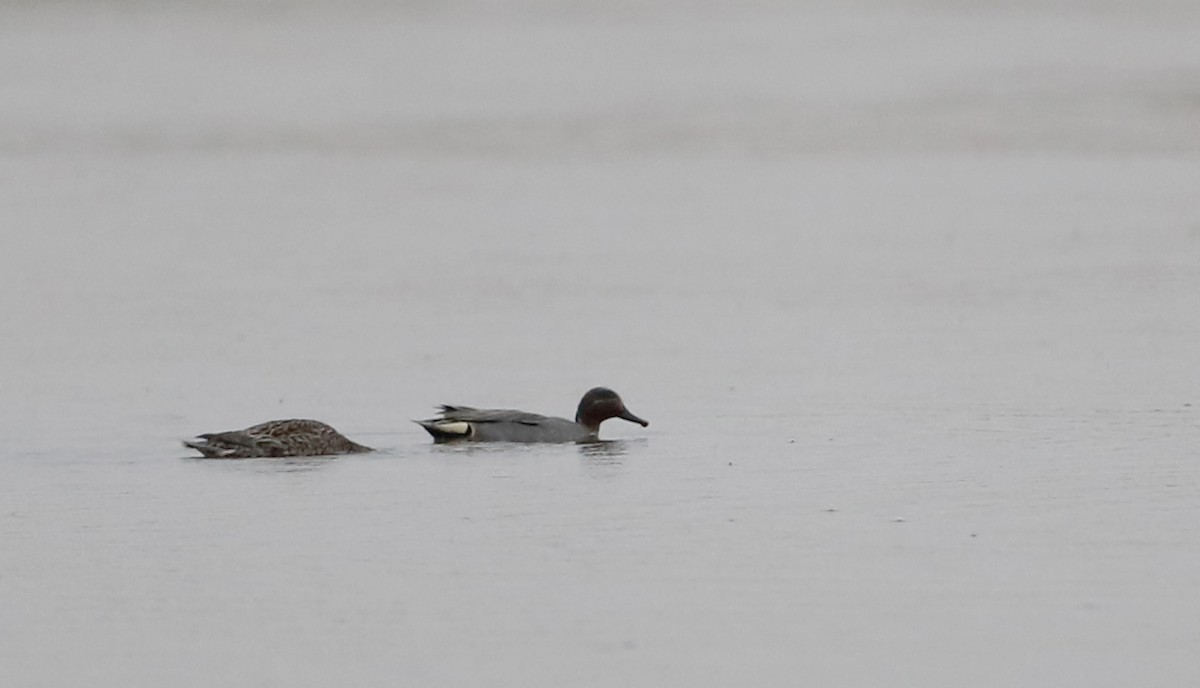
{"points": [[275, 438]]}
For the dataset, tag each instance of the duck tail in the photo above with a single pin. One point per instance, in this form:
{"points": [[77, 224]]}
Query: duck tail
{"points": [[210, 449], [228, 445], [446, 430]]}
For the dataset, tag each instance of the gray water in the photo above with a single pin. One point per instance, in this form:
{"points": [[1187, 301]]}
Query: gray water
{"points": [[910, 293]]}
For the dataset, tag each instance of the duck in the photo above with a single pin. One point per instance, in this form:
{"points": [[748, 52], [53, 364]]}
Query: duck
{"points": [[466, 423], [276, 438]]}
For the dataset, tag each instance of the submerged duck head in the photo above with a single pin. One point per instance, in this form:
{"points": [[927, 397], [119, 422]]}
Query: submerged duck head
{"points": [[600, 404]]}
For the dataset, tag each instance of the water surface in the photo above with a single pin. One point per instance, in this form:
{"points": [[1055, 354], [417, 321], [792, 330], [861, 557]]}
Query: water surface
{"points": [[907, 291]]}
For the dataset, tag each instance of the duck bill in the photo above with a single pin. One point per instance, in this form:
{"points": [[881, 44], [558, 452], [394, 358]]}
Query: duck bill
{"points": [[626, 414]]}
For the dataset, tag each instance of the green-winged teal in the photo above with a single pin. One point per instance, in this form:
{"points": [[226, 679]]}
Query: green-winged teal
{"points": [[504, 425], [274, 438]]}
